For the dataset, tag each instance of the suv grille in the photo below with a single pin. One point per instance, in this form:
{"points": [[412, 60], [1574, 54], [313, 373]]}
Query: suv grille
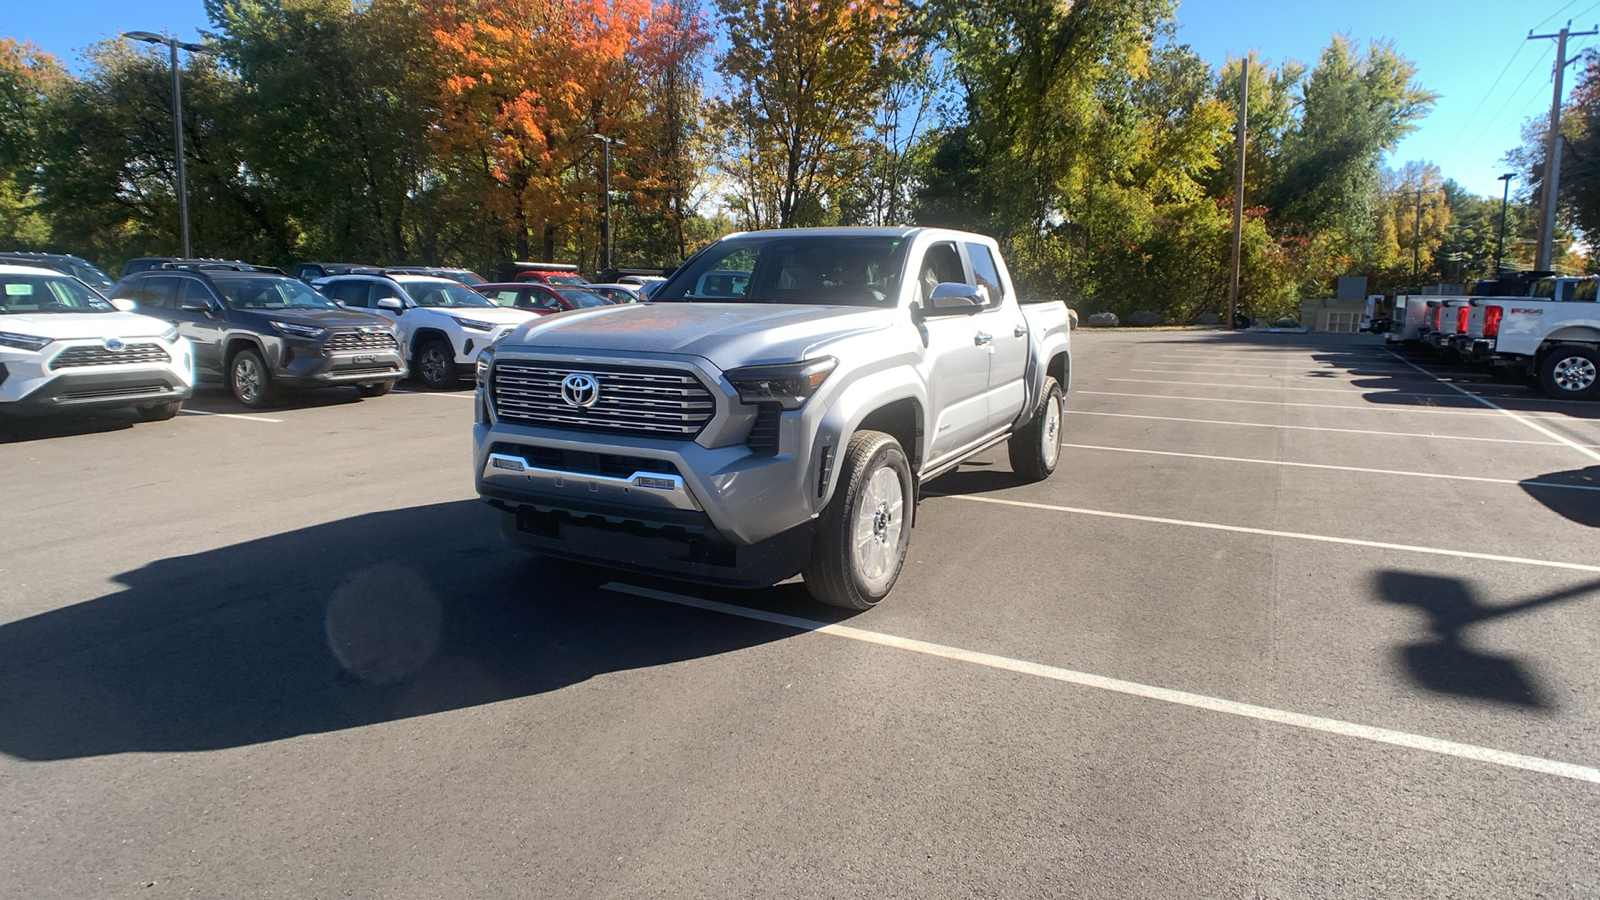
{"points": [[100, 356], [342, 341], [641, 401]]}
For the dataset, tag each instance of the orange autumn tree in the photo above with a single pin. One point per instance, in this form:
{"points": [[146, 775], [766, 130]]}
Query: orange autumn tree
{"points": [[522, 85]]}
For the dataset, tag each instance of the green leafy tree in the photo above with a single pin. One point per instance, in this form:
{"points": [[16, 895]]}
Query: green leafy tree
{"points": [[27, 76]]}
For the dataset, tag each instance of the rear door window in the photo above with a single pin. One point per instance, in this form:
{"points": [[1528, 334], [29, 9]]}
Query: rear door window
{"points": [[985, 272]]}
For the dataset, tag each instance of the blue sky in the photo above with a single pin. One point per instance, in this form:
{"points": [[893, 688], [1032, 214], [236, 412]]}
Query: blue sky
{"points": [[1473, 52]]}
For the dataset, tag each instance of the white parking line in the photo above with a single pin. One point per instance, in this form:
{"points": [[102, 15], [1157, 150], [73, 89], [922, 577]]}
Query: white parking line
{"points": [[201, 412], [1268, 532], [1286, 373], [468, 395], [1407, 434], [1322, 724], [1349, 392], [1525, 482], [1500, 409], [1391, 407], [1290, 369]]}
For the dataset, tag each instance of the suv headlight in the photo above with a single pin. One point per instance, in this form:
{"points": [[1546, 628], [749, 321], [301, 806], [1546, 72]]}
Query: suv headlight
{"points": [[170, 335], [300, 331], [24, 341], [474, 324], [787, 384]]}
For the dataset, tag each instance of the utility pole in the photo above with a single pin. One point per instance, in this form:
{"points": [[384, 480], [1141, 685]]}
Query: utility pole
{"points": [[177, 122], [1238, 192], [1500, 240], [1552, 157], [605, 196]]}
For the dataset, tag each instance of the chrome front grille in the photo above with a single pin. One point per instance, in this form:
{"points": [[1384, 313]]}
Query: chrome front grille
{"points": [[73, 357], [347, 341], [632, 400]]}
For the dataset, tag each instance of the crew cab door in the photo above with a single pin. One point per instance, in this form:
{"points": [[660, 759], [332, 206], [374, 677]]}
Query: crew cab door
{"points": [[1008, 347], [957, 355]]}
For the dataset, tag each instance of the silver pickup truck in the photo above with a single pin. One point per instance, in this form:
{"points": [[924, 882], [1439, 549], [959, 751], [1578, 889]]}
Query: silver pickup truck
{"points": [[775, 409]]}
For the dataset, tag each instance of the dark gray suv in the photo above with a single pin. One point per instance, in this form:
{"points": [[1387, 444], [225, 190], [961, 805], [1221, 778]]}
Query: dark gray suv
{"points": [[257, 332]]}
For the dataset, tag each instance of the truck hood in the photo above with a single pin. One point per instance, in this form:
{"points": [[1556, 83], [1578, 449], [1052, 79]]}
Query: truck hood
{"points": [[77, 326], [727, 334]]}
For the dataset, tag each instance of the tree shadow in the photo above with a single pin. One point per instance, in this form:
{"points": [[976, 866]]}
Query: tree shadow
{"points": [[1581, 506], [1447, 663], [368, 619]]}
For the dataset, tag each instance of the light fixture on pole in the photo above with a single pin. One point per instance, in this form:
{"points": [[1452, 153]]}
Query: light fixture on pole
{"points": [[177, 120], [605, 195], [1500, 241]]}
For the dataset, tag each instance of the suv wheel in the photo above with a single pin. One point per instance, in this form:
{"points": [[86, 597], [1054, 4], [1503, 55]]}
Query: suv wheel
{"points": [[1571, 372], [249, 379], [860, 543], [160, 412], [436, 365]]}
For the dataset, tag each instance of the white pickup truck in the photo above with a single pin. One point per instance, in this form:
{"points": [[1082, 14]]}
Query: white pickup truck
{"points": [[786, 425], [1556, 341]]}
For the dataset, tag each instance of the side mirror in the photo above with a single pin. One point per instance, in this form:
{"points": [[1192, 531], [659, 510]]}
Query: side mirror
{"points": [[193, 305], [393, 304], [124, 304], [339, 303], [952, 298]]}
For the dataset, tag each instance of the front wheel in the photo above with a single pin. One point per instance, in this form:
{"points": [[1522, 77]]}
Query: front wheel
{"points": [[860, 543], [1571, 372], [436, 365], [250, 380], [1036, 447], [161, 412]]}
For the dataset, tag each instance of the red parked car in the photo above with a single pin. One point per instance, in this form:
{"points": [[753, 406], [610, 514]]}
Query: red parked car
{"points": [[541, 298]]}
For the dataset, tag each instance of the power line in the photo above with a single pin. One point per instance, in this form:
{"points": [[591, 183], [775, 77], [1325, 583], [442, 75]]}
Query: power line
{"points": [[1490, 92], [1558, 12], [1512, 96]]}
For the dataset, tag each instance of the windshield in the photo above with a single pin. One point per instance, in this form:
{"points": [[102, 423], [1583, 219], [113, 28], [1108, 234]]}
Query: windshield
{"points": [[468, 278], [270, 293], [574, 280], [832, 270], [41, 293], [91, 276], [582, 299], [442, 294]]}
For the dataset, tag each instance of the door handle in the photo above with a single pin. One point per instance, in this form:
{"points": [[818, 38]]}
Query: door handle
{"points": [[982, 337], [1020, 330]]}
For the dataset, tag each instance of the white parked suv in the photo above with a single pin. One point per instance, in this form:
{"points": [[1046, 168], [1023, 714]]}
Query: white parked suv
{"points": [[443, 325], [65, 348]]}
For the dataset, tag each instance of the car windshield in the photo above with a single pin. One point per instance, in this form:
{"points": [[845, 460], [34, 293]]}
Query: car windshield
{"points": [[830, 270], [42, 293], [91, 276], [582, 299], [445, 295], [270, 293], [574, 280], [470, 279]]}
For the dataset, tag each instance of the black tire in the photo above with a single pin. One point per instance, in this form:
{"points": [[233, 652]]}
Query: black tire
{"points": [[249, 380], [843, 571], [1036, 447], [161, 412], [375, 390], [435, 365], [1571, 372]]}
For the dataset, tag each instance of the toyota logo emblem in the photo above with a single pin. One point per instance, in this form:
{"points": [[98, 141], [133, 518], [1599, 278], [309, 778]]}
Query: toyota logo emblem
{"points": [[579, 389], [113, 344]]}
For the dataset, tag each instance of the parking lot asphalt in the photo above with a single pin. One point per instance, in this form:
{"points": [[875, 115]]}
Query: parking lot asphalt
{"points": [[1298, 616]]}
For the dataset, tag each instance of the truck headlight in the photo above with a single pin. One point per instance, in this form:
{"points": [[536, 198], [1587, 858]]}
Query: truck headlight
{"points": [[788, 384], [24, 341]]}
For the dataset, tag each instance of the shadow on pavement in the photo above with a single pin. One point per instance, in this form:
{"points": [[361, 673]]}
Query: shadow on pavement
{"points": [[1447, 663], [42, 428], [1582, 507], [367, 619]]}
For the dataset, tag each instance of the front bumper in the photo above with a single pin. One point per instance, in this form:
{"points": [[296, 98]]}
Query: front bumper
{"points": [[307, 367], [85, 391]]}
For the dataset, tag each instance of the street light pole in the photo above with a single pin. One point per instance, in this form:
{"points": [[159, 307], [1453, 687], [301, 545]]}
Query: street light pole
{"points": [[1500, 240], [605, 196], [177, 122]]}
